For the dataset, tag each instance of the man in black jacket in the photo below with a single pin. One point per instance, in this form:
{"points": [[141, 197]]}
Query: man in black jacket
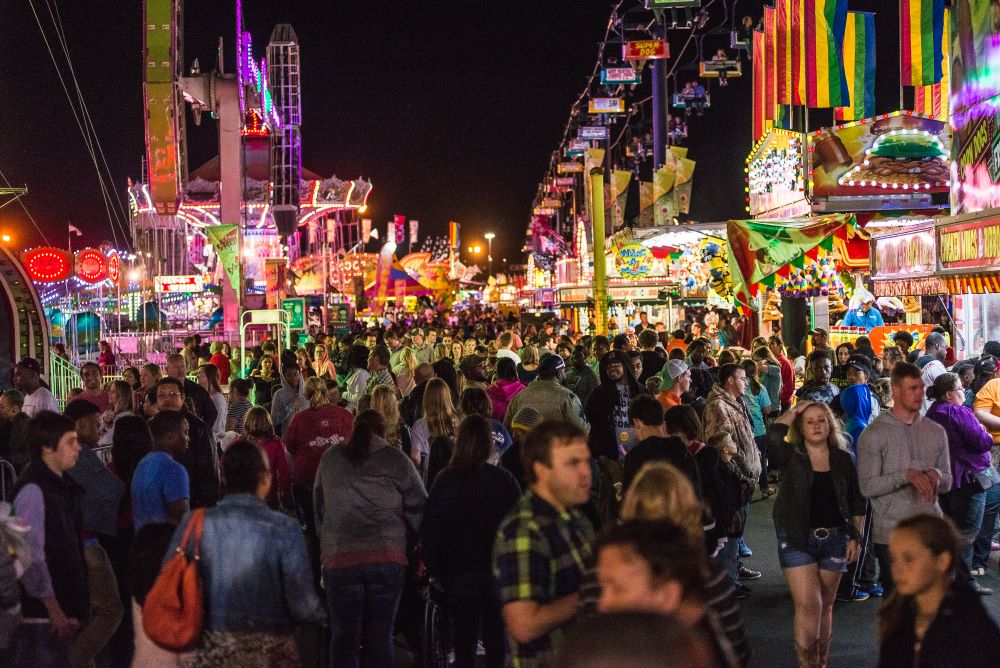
{"points": [[201, 458], [611, 432], [646, 414], [201, 403]]}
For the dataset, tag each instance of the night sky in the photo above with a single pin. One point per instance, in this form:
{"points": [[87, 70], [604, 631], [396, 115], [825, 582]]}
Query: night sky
{"points": [[451, 108]]}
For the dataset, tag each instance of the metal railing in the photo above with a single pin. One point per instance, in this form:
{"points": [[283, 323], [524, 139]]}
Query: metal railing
{"points": [[63, 376]]}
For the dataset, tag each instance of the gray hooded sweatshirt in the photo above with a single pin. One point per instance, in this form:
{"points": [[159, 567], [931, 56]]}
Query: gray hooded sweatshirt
{"points": [[886, 449], [286, 402]]}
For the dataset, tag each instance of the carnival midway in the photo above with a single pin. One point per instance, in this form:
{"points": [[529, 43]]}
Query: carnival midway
{"points": [[269, 427]]}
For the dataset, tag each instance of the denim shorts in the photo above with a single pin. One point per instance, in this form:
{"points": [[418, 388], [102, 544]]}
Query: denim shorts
{"points": [[829, 553]]}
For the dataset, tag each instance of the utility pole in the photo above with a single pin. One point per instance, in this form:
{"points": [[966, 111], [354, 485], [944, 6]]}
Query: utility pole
{"points": [[659, 71]]}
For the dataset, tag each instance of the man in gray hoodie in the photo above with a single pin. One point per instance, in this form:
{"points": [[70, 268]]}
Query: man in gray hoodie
{"points": [[903, 463], [291, 398]]}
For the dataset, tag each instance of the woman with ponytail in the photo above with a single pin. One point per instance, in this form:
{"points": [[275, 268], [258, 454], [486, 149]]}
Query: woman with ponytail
{"points": [[367, 495]]}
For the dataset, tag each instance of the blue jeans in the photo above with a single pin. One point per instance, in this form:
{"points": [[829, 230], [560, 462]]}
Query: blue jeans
{"points": [[965, 507], [473, 608], [729, 558], [981, 548], [761, 442], [362, 601]]}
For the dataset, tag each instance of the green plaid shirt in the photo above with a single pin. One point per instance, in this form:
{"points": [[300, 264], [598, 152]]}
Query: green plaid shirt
{"points": [[540, 555]]}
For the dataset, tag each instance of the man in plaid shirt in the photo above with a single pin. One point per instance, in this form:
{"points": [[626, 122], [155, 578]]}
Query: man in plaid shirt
{"points": [[543, 545]]}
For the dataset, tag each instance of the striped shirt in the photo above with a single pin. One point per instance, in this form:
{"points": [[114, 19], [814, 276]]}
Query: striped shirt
{"points": [[540, 555]]}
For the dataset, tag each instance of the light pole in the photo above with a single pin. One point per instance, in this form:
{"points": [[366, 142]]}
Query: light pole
{"points": [[489, 252]]}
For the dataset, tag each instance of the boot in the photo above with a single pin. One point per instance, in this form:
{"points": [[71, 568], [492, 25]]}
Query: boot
{"points": [[822, 651], [806, 655]]}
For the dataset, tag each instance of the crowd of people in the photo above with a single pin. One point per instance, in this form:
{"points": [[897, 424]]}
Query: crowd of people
{"points": [[541, 485]]}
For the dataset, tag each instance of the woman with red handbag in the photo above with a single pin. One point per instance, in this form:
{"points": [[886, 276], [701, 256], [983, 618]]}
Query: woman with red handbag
{"points": [[257, 583]]}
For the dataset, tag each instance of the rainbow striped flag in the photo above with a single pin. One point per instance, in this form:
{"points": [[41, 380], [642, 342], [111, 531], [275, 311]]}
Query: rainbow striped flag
{"points": [[859, 67], [933, 100], [790, 61], [921, 25], [823, 23], [758, 85], [770, 53]]}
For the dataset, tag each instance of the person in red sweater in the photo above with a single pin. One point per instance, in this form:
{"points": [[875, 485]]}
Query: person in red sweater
{"points": [[787, 371], [221, 362], [308, 435], [258, 428]]}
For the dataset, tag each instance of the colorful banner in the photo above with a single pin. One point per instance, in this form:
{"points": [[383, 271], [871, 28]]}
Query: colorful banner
{"points": [[859, 67], [933, 100], [400, 228], [618, 185], [414, 230], [274, 281], [759, 94], [646, 204], [796, 52], [760, 249], [225, 240], [664, 198], [384, 274], [893, 154], [685, 174], [824, 22], [921, 24], [782, 52], [453, 235], [770, 66]]}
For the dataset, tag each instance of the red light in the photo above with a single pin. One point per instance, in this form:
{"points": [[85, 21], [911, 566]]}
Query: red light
{"points": [[46, 265], [91, 265]]}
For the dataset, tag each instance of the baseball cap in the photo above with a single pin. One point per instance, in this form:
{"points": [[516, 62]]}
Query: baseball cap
{"points": [[416, 331], [471, 362], [676, 368], [31, 364], [860, 362], [551, 364], [818, 330]]}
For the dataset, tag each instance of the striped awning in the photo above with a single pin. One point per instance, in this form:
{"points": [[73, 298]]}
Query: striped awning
{"points": [[976, 284], [909, 287]]}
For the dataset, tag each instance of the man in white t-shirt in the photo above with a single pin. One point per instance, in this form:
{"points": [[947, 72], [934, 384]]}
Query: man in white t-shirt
{"points": [[936, 347], [27, 378], [506, 344]]}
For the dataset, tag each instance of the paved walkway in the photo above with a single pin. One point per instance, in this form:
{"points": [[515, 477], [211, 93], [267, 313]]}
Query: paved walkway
{"points": [[768, 611]]}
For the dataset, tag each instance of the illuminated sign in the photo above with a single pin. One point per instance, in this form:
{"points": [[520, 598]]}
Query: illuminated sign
{"points": [[620, 75], [634, 261], [551, 202], [47, 265], [646, 49], [975, 87], [893, 154], [606, 105], [905, 255], [589, 132], [570, 167], [114, 266], [775, 173], [969, 245], [91, 265], [565, 181], [186, 283]]}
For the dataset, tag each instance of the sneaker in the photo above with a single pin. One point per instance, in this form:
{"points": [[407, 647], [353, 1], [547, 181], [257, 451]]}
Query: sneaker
{"points": [[981, 590], [995, 546], [877, 591], [857, 596], [745, 550], [742, 591], [748, 574], [978, 572]]}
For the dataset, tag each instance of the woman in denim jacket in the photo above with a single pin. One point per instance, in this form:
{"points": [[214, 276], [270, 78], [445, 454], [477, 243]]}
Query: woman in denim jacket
{"points": [[818, 516], [255, 570]]}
